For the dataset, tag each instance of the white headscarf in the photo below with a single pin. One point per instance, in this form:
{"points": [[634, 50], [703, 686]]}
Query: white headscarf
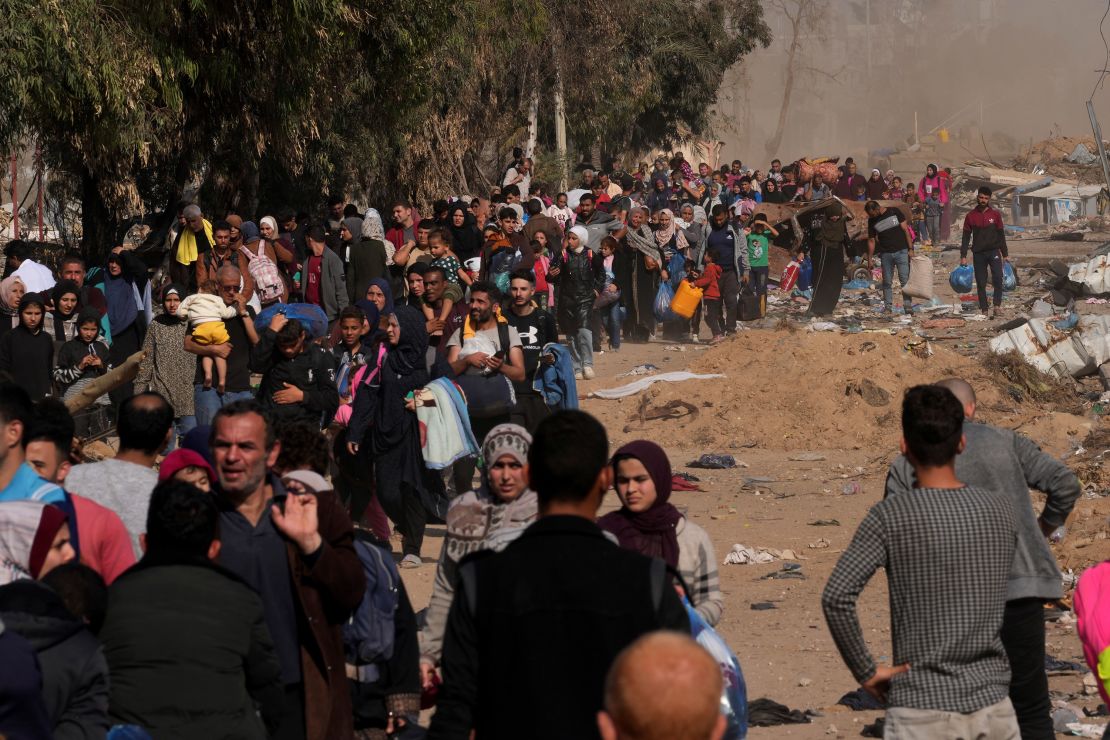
{"points": [[372, 227], [273, 224]]}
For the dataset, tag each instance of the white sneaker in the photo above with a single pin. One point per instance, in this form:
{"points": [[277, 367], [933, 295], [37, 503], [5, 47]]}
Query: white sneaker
{"points": [[578, 375], [588, 373]]}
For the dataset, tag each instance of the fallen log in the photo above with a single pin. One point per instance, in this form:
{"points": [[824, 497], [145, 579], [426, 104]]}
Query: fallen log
{"points": [[114, 378]]}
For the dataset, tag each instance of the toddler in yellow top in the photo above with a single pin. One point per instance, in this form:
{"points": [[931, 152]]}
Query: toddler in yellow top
{"points": [[205, 311]]}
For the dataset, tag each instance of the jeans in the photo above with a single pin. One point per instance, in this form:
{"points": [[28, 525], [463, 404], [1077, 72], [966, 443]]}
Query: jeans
{"points": [[757, 279], [982, 260], [610, 319], [729, 284], [933, 225], [890, 260], [207, 401], [581, 344], [1023, 637], [182, 425]]}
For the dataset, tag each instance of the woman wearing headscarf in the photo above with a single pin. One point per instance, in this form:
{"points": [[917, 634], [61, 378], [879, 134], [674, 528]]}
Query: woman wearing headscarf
{"points": [[379, 293], [166, 367], [236, 222], [484, 520], [387, 434], [27, 352], [11, 293], [269, 290], [61, 321], [876, 186], [827, 254], [128, 293], [638, 278], [649, 524], [365, 257], [34, 543], [934, 194], [672, 242], [34, 540], [465, 237]]}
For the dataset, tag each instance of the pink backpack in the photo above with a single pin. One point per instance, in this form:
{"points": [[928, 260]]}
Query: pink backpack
{"points": [[267, 279], [1092, 609]]}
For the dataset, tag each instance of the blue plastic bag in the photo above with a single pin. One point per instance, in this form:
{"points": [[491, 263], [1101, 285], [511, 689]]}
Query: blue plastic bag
{"points": [[734, 697], [662, 305], [1009, 277], [313, 318], [962, 279], [676, 269], [805, 274]]}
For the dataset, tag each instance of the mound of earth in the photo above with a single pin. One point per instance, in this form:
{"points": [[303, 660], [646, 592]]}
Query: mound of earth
{"points": [[797, 390]]}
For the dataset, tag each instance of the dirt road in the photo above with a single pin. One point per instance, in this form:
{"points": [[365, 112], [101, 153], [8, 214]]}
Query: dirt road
{"points": [[809, 453]]}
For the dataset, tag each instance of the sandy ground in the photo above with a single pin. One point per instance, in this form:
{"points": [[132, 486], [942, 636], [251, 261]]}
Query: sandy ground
{"points": [[786, 652]]}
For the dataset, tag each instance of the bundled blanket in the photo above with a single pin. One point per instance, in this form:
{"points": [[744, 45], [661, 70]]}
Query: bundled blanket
{"points": [[447, 435]]}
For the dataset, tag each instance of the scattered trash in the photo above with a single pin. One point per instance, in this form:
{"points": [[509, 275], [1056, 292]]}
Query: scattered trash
{"points": [[1080, 729], [1053, 349], [789, 570], [674, 348], [678, 483], [688, 476], [803, 682], [1056, 667], [1063, 717], [820, 544], [1041, 309], [872, 394], [825, 523], [1098, 301], [645, 369], [867, 347], [762, 606], [759, 479], [851, 489], [744, 555], [1081, 155], [860, 701], [636, 386], [671, 410], [768, 713], [807, 457], [714, 462], [822, 326], [875, 729], [943, 324]]}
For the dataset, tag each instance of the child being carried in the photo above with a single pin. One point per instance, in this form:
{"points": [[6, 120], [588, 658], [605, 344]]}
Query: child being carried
{"points": [[205, 311]]}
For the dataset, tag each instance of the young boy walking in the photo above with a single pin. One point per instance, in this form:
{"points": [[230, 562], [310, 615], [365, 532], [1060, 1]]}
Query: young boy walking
{"points": [[947, 551], [709, 281]]}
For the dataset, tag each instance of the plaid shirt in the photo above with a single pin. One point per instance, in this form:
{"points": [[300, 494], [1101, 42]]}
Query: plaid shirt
{"points": [[947, 554]]}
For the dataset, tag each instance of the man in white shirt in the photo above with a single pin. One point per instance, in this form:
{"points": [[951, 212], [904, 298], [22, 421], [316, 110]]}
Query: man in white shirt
{"points": [[38, 278], [521, 176]]}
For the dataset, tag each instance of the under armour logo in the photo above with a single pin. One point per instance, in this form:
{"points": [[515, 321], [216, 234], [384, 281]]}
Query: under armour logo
{"points": [[531, 336]]}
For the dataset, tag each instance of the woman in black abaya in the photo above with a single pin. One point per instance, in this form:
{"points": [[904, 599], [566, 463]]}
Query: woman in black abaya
{"points": [[827, 255]]}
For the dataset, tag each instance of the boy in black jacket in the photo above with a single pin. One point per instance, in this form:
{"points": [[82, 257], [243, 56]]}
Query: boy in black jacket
{"points": [[298, 377]]}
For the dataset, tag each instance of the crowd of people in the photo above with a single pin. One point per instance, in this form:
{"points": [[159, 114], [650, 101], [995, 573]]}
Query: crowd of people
{"points": [[312, 390]]}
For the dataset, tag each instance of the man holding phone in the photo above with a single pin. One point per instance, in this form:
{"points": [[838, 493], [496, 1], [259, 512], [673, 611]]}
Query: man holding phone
{"points": [[486, 345]]}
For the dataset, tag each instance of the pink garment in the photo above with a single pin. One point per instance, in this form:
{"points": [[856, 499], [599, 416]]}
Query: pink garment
{"points": [[937, 184], [1092, 610], [105, 543]]}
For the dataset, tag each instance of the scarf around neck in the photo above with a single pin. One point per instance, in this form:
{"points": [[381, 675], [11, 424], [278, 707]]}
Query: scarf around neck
{"points": [[653, 532]]}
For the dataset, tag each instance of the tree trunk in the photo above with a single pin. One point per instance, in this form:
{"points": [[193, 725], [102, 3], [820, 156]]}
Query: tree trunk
{"points": [[787, 89], [98, 225], [533, 124], [560, 130]]}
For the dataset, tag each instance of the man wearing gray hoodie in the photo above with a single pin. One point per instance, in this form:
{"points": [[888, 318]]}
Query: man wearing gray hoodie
{"points": [[1005, 461]]}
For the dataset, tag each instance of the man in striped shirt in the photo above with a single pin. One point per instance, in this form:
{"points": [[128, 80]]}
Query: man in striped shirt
{"points": [[947, 551]]}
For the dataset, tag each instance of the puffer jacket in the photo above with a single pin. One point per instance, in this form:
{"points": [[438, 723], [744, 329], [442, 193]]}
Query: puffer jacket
{"points": [[74, 671], [580, 279]]}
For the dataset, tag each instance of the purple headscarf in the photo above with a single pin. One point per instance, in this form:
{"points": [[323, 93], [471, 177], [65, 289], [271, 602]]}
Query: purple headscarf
{"points": [[652, 532]]}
